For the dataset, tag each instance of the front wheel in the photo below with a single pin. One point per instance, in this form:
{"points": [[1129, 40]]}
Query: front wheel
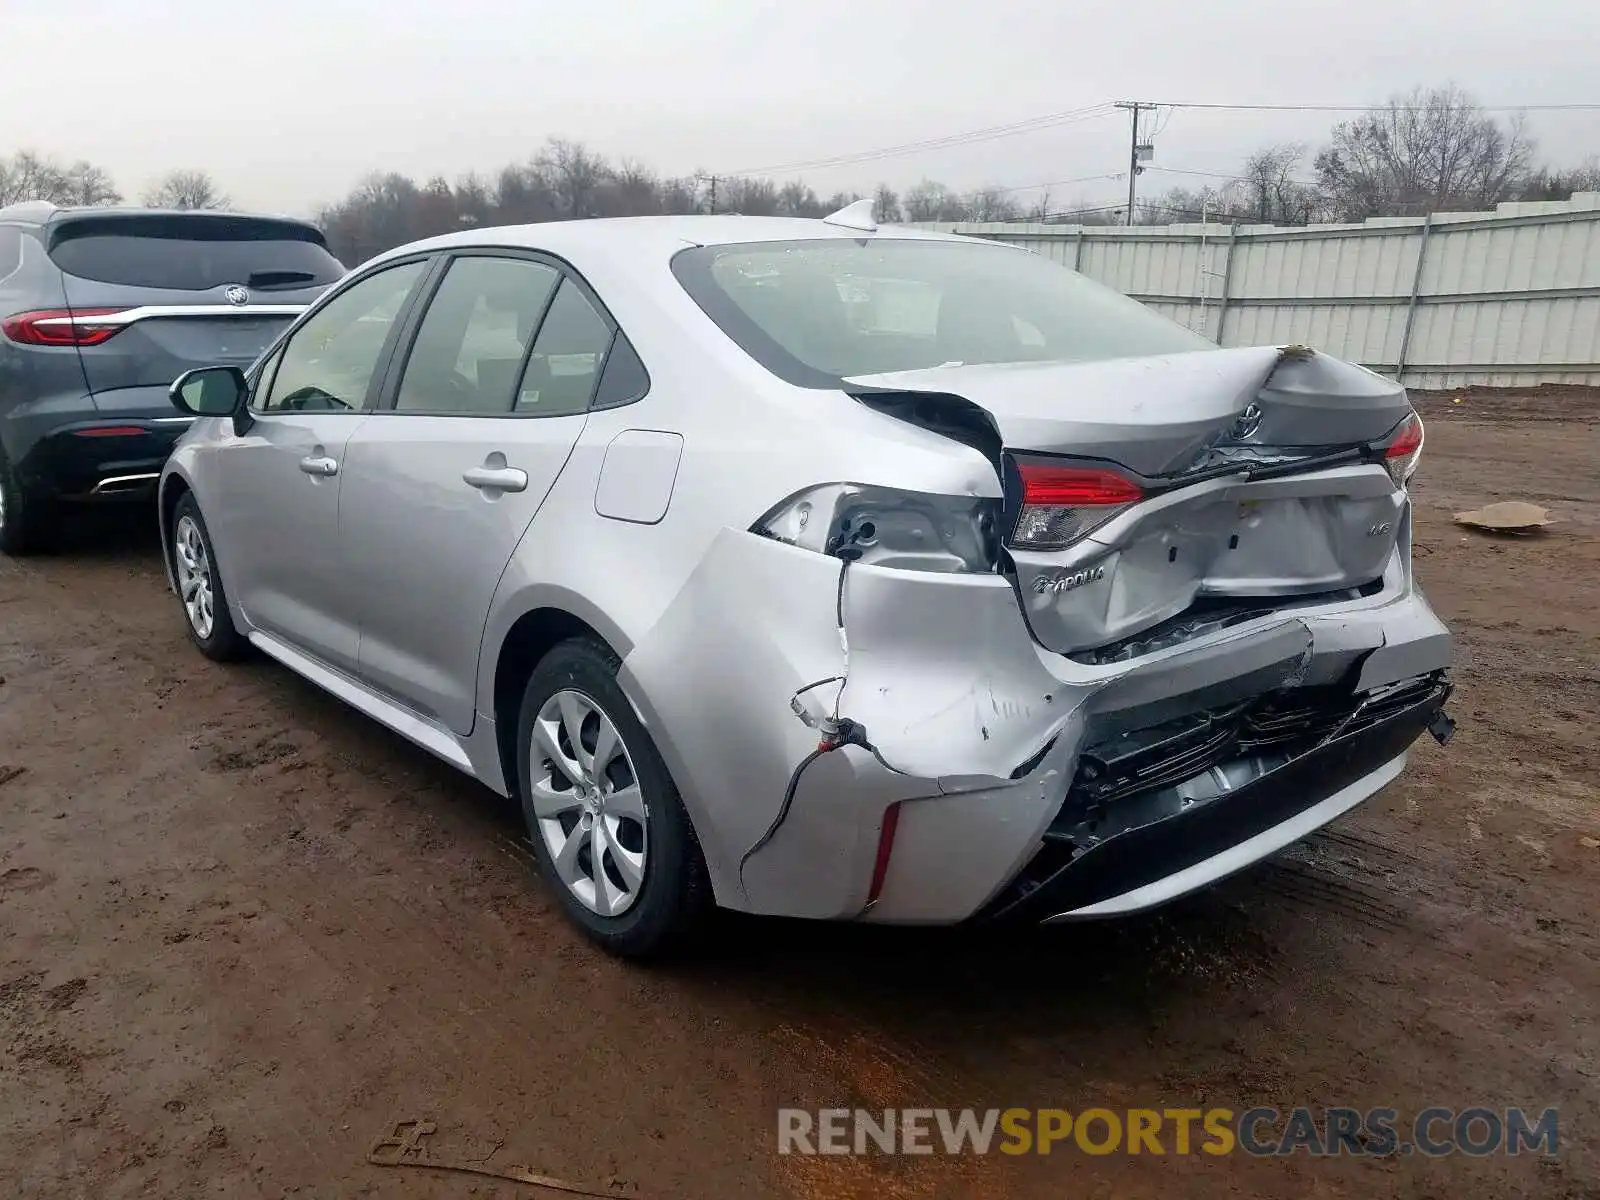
{"points": [[608, 827], [194, 568]]}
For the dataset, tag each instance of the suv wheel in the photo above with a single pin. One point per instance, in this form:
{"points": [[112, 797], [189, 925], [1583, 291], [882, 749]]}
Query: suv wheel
{"points": [[27, 521], [205, 604], [608, 827]]}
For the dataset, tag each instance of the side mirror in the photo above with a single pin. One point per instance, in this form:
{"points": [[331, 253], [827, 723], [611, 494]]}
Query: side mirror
{"points": [[209, 392]]}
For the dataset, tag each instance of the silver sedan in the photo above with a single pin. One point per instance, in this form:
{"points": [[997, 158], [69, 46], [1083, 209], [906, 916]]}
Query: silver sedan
{"points": [[817, 569]]}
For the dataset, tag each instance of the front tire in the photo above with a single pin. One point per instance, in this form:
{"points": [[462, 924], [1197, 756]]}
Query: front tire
{"points": [[205, 604], [27, 520], [608, 827]]}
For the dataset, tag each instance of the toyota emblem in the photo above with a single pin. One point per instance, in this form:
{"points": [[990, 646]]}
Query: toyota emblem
{"points": [[1249, 421], [237, 295]]}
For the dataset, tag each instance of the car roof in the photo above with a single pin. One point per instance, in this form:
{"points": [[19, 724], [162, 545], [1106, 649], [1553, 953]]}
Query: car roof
{"points": [[656, 237]]}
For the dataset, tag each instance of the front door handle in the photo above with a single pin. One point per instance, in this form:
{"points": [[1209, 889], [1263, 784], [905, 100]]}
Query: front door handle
{"points": [[497, 479], [319, 465]]}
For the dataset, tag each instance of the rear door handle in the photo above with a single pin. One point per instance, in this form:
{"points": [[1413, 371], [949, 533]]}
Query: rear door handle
{"points": [[319, 465], [497, 479]]}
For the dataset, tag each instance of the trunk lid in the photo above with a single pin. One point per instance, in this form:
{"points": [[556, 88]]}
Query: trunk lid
{"points": [[171, 291], [1258, 491]]}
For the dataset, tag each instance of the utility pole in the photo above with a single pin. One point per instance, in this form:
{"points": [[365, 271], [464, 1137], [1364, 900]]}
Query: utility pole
{"points": [[711, 181], [1133, 106]]}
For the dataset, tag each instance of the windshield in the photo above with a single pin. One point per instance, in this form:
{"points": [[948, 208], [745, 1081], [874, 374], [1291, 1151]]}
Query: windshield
{"points": [[814, 312]]}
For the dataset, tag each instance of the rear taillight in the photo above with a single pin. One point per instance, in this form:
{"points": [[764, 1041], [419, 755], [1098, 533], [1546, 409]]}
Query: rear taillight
{"points": [[63, 327], [1062, 504], [888, 527], [1404, 450]]}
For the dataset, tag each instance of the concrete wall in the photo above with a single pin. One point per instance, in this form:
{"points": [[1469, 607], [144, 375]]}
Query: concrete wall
{"points": [[1509, 298]]}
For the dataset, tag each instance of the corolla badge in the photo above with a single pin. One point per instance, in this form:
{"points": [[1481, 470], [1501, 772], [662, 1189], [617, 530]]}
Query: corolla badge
{"points": [[1066, 581], [237, 294], [1249, 421]]}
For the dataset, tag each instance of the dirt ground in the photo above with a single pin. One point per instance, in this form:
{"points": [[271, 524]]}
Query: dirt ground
{"points": [[246, 932]]}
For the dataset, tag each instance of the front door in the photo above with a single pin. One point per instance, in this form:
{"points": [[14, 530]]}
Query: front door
{"points": [[442, 482], [280, 481]]}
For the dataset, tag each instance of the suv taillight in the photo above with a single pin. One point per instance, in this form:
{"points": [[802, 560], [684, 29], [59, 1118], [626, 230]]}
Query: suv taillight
{"points": [[63, 327], [1062, 504]]}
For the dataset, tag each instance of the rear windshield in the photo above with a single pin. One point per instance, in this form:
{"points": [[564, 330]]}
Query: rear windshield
{"points": [[815, 311], [195, 254]]}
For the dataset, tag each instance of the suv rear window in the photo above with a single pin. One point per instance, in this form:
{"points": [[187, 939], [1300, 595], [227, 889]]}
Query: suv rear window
{"points": [[814, 312], [194, 254]]}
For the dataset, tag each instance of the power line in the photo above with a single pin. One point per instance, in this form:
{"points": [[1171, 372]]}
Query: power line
{"points": [[1223, 175], [1050, 183], [988, 133], [1383, 107]]}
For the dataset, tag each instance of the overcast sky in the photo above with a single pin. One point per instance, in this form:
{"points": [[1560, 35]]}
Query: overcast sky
{"points": [[290, 102]]}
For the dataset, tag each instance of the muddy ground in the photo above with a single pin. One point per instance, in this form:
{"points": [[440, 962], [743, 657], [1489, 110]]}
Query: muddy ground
{"points": [[245, 932]]}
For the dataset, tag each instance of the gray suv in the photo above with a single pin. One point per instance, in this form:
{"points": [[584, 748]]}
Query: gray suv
{"points": [[100, 309]]}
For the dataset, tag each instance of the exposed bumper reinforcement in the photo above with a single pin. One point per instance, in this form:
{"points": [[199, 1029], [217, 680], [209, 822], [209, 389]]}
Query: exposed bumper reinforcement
{"points": [[1149, 865]]}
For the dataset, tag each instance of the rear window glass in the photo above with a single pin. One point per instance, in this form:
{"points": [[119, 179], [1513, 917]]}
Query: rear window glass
{"points": [[814, 312], [196, 257]]}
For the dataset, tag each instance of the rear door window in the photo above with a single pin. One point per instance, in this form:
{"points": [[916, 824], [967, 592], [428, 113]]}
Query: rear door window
{"points": [[194, 254], [471, 344]]}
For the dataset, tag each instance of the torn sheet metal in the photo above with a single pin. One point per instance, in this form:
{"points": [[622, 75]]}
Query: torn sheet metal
{"points": [[1161, 414], [974, 729], [713, 679]]}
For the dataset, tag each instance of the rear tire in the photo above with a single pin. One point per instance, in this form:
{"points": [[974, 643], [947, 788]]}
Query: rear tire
{"points": [[206, 618], [611, 837], [27, 520]]}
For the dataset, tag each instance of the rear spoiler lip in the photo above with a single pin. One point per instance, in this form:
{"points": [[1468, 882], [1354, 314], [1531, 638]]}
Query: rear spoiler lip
{"points": [[63, 226]]}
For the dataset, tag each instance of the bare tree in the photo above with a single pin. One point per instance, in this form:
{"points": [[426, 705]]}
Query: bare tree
{"points": [[28, 175], [635, 190], [680, 196], [85, 183], [753, 197], [1560, 184], [886, 205], [574, 175], [1431, 150], [795, 199], [992, 204], [185, 189], [1271, 193], [930, 201]]}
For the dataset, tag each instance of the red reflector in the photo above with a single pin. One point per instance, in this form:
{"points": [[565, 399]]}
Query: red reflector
{"points": [[112, 431], [880, 868], [61, 327], [1407, 440], [1076, 487]]}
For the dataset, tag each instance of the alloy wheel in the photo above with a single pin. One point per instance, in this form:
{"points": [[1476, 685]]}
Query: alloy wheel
{"points": [[587, 802], [194, 576]]}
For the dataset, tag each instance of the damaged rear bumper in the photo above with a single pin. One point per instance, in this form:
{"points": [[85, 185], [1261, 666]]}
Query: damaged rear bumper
{"points": [[978, 738]]}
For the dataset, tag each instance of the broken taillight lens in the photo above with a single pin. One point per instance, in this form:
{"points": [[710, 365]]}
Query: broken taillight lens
{"points": [[1404, 450], [888, 527], [1062, 504]]}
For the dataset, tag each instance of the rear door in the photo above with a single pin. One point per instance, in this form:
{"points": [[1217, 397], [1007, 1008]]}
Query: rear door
{"points": [[154, 294], [272, 495], [442, 482]]}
